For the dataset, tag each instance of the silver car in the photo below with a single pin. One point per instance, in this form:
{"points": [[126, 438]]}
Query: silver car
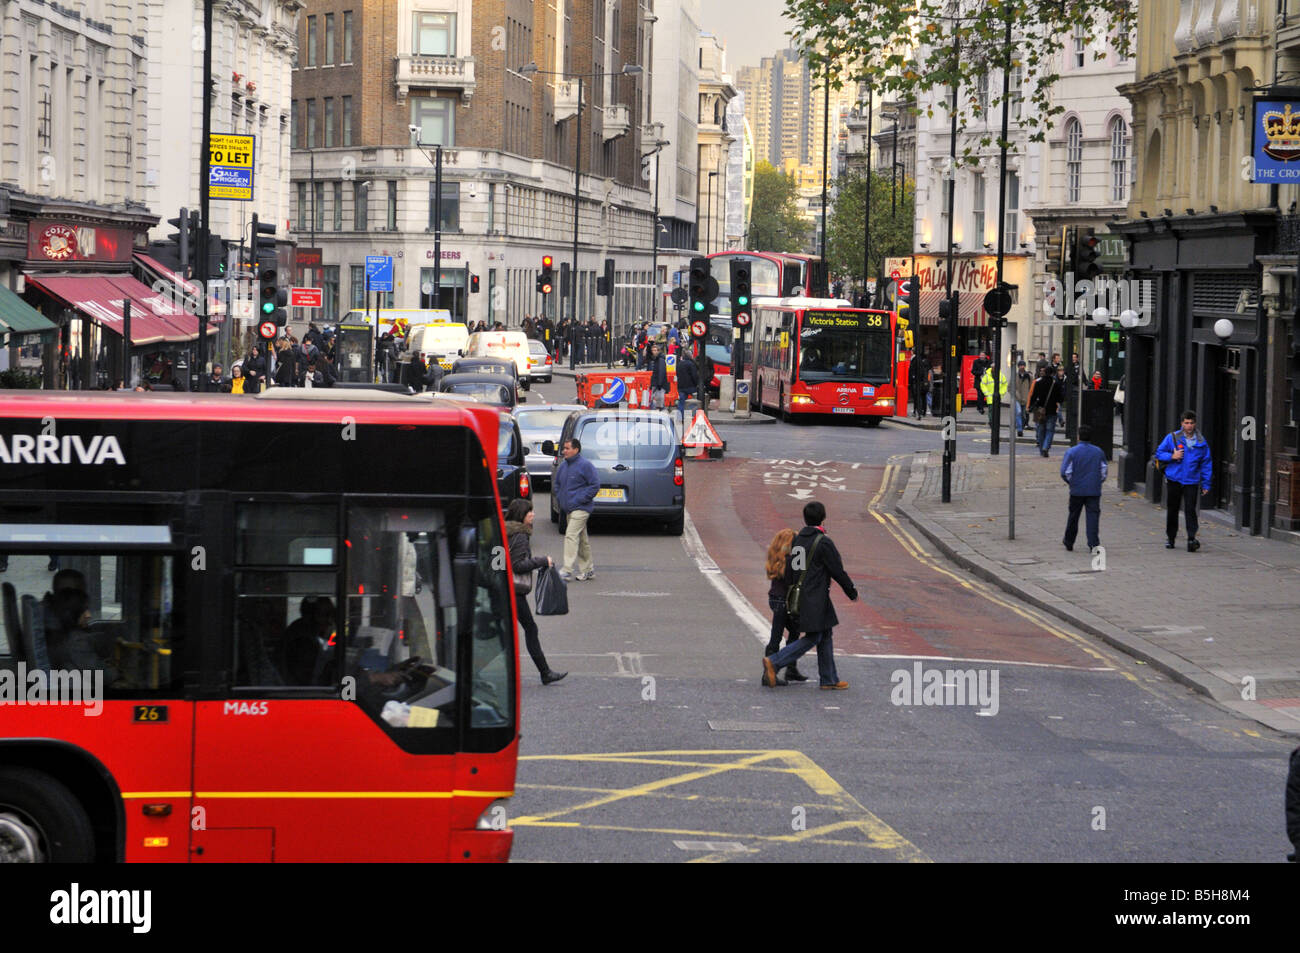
{"points": [[539, 424], [540, 366]]}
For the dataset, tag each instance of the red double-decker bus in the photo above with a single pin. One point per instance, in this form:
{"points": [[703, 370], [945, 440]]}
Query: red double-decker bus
{"points": [[253, 628], [817, 357]]}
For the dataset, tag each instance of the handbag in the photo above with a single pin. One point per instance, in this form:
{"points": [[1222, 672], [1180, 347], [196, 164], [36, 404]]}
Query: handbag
{"points": [[523, 583], [795, 594]]}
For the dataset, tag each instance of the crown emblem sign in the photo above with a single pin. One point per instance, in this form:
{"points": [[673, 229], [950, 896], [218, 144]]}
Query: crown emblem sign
{"points": [[1282, 129]]}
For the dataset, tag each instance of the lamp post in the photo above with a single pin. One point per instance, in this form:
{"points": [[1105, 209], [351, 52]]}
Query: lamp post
{"points": [[654, 229], [708, 223], [866, 218], [630, 69], [436, 159]]}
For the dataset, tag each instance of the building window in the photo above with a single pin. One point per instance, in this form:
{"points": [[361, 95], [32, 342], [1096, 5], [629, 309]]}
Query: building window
{"points": [[1073, 160], [302, 206], [347, 36], [1121, 41], [435, 34], [391, 217], [977, 208], [329, 121], [357, 285], [329, 39], [318, 207], [435, 119], [347, 120], [1080, 47], [1016, 91], [450, 206], [311, 41], [295, 128], [330, 283], [982, 92], [360, 206], [1118, 160], [311, 124], [1011, 224]]}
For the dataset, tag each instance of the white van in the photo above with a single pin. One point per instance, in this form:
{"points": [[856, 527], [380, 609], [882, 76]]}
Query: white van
{"points": [[398, 320], [511, 345], [438, 343]]}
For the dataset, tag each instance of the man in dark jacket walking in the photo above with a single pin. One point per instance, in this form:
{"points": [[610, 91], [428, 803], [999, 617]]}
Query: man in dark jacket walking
{"points": [[1084, 471], [575, 488], [1044, 400], [688, 381], [814, 558]]}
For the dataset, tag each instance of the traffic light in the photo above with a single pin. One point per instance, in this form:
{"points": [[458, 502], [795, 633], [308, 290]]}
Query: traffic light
{"points": [[271, 296], [181, 238], [740, 303], [1086, 253], [605, 282], [218, 258], [1056, 253], [907, 299], [473, 284], [947, 324], [546, 280], [564, 279], [702, 289]]}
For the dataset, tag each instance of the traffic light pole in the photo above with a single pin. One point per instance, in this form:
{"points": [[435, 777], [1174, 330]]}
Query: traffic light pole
{"points": [[998, 322], [577, 200], [205, 197], [950, 382]]}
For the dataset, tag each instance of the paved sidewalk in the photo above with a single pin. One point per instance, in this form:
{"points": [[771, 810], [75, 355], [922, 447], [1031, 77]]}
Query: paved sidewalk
{"points": [[1209, 619]]}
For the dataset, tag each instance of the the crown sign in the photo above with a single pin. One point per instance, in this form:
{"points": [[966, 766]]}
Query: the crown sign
{"points": [[1282, 130]]}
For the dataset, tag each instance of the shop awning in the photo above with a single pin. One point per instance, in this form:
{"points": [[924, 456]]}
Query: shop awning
{"points": [[155, 318], [216, 307], [19, 317], [970, 308]]}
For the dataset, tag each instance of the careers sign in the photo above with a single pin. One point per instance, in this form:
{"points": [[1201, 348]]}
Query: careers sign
{"points": [[230, 174]]}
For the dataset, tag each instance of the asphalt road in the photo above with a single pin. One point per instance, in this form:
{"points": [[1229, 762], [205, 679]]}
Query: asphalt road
{"points": [[662, 746]]}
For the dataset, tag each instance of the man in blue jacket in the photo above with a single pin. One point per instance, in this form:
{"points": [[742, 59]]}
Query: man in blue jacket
{"points": [[1084, 469], [1186, 455], [576, 485]]}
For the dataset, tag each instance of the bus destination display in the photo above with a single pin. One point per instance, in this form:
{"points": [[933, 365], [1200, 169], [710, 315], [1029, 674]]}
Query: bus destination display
{"points": [[857, 320]]}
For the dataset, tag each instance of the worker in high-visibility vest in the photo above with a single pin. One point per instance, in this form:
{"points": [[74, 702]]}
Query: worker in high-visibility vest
{"points": [[986, 387]]}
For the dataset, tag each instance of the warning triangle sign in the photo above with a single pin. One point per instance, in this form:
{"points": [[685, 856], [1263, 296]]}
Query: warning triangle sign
{"points": [[701, 433]]}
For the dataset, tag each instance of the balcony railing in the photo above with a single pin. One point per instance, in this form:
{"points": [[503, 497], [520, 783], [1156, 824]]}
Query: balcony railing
{"points": [[435, 72], [1288, 234]]}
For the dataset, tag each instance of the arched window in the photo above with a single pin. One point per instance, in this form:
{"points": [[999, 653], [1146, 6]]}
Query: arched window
{"points": [[1118, 160], [1073, 160]]}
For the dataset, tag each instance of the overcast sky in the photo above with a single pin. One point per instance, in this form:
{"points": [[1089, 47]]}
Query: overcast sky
{"points": [[751, 29]]}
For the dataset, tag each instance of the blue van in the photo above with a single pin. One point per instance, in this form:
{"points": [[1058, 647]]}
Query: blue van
{"points": [[638, 459]]}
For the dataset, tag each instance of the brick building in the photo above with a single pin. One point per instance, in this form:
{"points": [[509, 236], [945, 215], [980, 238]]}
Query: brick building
{"points": [[363, 184]]}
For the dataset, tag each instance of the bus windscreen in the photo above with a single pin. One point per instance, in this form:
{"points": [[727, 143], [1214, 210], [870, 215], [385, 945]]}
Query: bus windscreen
{"points": [[845, 346]]}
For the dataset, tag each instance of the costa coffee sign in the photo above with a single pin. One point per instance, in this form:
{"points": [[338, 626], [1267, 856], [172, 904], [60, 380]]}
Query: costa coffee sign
{"points": [[65, 242]]}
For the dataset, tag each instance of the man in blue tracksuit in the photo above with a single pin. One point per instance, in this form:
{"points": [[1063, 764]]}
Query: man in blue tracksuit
{"points": [[1084, 469], [575, 488], [1186, 455]]}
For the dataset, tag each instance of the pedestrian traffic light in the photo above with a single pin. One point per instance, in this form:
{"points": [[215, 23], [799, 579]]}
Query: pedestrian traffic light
{"points": [[546, 280], [1087, 251], [181, 238], [702, 288], [605, 282], [740, 303], [473, 284]]}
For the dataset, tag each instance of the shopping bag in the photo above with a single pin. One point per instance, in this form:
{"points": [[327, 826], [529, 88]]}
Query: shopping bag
{"points": [[551, 595]]}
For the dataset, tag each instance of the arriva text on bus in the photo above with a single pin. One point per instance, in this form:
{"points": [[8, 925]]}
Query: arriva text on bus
{"points": [[45, 448]]}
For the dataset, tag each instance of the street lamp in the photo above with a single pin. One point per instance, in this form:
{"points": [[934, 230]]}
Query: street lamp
{"points": [[1128, 319], [655, 229], [1223, 328], [630, 69], [436, 159]]}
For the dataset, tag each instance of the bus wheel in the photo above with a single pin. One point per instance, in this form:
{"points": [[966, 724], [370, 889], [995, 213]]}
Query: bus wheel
{"points": [[872, 421], [41, 821]]}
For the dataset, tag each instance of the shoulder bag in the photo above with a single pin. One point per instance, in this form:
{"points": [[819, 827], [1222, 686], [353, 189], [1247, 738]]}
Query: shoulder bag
{"points": [[794, 596]]}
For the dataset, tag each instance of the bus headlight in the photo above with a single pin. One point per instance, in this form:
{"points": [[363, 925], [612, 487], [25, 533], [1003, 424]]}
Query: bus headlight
{"points": [[494, 818], [800, 399], [885, 402]]}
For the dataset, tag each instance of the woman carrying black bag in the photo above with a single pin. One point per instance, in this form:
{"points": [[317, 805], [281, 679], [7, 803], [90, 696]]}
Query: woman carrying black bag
{"points": [[519, 530]]}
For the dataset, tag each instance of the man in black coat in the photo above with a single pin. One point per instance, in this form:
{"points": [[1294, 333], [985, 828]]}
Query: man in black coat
{"points": [[254, 371], [688, 381], [814, 557], [977, 369]]}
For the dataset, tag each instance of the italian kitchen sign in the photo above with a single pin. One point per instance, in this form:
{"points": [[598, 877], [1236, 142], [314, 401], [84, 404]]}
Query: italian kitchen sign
{"points": [[970, 274], [58, 242]]}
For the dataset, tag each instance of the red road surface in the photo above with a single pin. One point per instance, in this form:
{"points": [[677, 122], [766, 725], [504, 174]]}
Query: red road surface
{"points": [[905, 607]]}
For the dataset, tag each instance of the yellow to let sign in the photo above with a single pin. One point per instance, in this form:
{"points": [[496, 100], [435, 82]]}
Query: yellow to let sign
{"points": [[231, 151]]}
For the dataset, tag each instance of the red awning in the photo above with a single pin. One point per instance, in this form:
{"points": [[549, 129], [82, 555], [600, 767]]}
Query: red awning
{"points": [[154, 318], [154, 266], [970, 308]]}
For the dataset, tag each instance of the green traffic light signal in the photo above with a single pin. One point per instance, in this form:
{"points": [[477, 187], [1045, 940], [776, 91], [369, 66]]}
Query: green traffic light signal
{"points": [[742, 299], [699, 306], [268, 307]]}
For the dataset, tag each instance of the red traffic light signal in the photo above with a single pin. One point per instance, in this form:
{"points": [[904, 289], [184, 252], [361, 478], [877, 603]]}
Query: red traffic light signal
{"points": [[546, 261]]}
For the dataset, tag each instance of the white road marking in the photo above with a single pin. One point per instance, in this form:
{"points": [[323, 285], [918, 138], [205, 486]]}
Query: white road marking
{"points": [[749, 617]]}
